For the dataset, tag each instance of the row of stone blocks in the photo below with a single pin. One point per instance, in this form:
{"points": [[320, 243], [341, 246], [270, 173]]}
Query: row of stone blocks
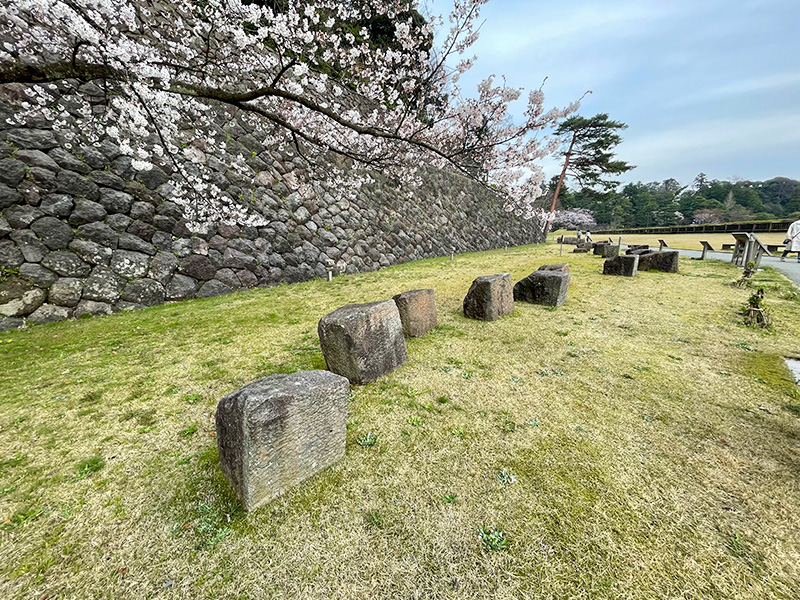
{"points": [[280, 430], [491, 296], [627, 265]]}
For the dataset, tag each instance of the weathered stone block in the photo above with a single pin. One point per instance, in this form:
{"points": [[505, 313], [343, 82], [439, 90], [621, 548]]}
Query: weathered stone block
{"points": [[181, 287], [563, 267], [280, 430], [129, 264], [66, 264], [66, 291], [625, 265], [598, 248], [665, 261], [634, 248], [609, 250], [212, 288], [417, 312], [363, 341], [49, 313], [548, 288], [146, 292], [10, 255], [25, 305], [90, 307], [489, 297]]}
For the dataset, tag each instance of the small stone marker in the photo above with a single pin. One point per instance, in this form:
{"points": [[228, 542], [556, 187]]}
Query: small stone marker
{"points": [[625, 265], [547, 287], [417, 312], [280, 430], [489, 297], [609, 250], [363, 341], [666, 261], [563, 267]]}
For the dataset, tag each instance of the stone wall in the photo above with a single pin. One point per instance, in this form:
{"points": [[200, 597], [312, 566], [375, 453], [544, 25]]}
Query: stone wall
{"points": [[82, 232]]}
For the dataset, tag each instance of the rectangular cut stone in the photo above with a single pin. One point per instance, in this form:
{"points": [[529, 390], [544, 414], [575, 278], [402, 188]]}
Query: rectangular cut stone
{"points": [[363, 341], [609, 250], [598, 248], [634, 248], [489, 297], [548, 288], [417, 312], [625, 265], [666, 261], [279, 431], [564, 267]]}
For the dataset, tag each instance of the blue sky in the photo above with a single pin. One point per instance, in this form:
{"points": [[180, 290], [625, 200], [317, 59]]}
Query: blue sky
{"points": [[704, 85]]}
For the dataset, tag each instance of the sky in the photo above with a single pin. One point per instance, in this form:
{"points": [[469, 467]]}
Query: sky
{"points": [[704, 85]]}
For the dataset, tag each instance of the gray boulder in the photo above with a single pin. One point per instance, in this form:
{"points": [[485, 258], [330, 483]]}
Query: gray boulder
{"points": [[91, 308], [8, 196], [66, 291], [91, 252], [609, 250], [72, 183], [32, 249], [21, 215], [5, 228], [128, 241], [563, 267], [181, 287], [37, 158], [86, 211], [103, 285], [197, 266], [665, 261], [162, 267], [66, 264], [100, 233], [9, 323], [115, 201], [489, 297], [32, 139], [57, 205], [625, 265], [363, 341], [280, 430], [130, 265], [417, 311], [548, 288], [54, 233], [10, 255], [38, 275], [49, 313], [146, 292], [11, 171], [24, 305], [212, 288]]}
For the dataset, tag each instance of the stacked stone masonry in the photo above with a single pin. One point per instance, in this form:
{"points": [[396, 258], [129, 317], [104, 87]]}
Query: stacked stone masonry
{"points": [[83, 233]]}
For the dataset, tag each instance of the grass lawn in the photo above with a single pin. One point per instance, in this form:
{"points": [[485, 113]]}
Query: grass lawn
{"points": [[687, 241], [636, 442]]}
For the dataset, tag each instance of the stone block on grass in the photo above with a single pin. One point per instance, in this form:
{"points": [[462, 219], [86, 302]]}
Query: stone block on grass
{"points": [[563, 267], [363, 341], [489, 297], [280, 430], [546, 287], [665, 261], [417, 312], [598, 248], [609, 250], [625, 265]]}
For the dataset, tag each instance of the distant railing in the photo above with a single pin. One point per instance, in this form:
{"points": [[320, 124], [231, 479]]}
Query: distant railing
{"points": [[747, 226]]}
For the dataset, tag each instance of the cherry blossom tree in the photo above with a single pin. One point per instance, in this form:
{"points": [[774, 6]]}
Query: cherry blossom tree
{"points": [[300, 72]]}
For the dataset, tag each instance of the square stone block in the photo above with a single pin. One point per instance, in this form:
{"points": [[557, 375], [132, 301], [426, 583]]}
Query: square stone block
{"points": [[598, 248], [563, 267], [625, 265], [548, 288], [609, 250], [417, 312], [280, 430], [489, 297], [665, 261], [363, 341]]}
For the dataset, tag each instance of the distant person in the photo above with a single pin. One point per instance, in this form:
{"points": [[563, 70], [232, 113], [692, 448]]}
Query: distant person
{"points": [[588, 237], [792, 240]]}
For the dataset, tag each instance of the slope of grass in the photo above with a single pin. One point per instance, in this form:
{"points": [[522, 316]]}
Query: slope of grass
{"points": [[687, 241], [637, 442]]}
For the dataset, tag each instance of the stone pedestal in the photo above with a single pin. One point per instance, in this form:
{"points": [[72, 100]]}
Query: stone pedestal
{"points": [[280, 430], [546, 287], [609, 250], [417, 312], [624, 266], [363, 341], [666, 261], [489, 297]]}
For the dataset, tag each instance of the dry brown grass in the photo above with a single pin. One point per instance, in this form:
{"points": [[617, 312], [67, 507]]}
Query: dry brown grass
{"points": [[654, 441]]}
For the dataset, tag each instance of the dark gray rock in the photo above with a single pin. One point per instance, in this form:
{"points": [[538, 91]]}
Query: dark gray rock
{"points": [[67, 161], [665, 261], [417, 311], [32, 249], [32, 139], [228, 231], [199, 267], [91, 252], [182, 247], [74, 184], [107, 179], [234, 259], [546, 287], [37, 158], [5, 228], [124, 305], [247, 279], [129, 241], [49, 313], [11, 171], [147, 292], [38, 275], [563, 267], [91, 308], [86, 211], [66, 264], [170, 209], [363, 341], [162, 266], [9, 323], [24, 305], [21, 216], [93, 157], [66, 291], [143, 211], [128, 264], [637, 248], [103, 285], [119, 222], [13, 287], [115, 201], [624, 265], [10, 255], [609, 250], [278, 431], [598, 248], [54, 233], [199, 246], [489, 297], [213, 288], [56, 205], [142, 230], [152, 178], [228, 277], [162, 240], [100, 233], [8, 196], [165, 224], [181, 287]]}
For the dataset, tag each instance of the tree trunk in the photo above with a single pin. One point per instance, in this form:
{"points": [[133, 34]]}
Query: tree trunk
{"points": [[558, 185]]}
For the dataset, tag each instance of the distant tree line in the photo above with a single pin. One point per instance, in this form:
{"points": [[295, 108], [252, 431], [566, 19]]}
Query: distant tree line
{"points": [[669, 202]]}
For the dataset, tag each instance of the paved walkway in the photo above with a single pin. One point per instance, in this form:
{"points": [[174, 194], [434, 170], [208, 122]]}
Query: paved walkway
{"points": [[790, 268]]}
